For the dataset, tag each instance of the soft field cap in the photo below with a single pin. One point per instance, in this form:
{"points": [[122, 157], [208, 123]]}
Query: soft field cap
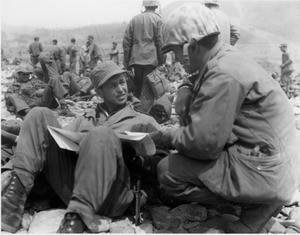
{"points": [[188, 21], [283, 45], [104, 71]]}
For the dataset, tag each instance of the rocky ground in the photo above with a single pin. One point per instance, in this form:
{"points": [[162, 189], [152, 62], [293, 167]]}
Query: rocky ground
{"points": [[44, 217]]}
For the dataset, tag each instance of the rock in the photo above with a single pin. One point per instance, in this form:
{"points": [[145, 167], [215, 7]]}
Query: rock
{"points": [[296, 198], [163, 231], [188, 225], [285, 223], [46, 221], [21, 231], [26, 221], [145, 227], [121, 226], [276, 228], [295, 214], [213, 230], [211, 213], [162, 219], [290, 230], [199, 229], [179, 229], [228, 208], [189, 212]]}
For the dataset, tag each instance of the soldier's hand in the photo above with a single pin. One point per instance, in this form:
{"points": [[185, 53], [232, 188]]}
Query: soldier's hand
{"points": [[182, 101], [164, 139], [141, 127]]}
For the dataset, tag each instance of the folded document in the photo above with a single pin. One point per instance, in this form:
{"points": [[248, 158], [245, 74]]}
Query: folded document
{"points": [[69, 140]]}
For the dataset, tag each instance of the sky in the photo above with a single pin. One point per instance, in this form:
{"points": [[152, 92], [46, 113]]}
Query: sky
{"points": [[68, 13]]}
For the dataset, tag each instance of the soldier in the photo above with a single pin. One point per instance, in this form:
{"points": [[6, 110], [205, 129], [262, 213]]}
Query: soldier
{"points": [[94, 182], [114, 53], [27, 92], [35, 50], [94, 52], [142, 44], [228, 32], [287, 69], [239, 141], [72, 52], [52, 60]]}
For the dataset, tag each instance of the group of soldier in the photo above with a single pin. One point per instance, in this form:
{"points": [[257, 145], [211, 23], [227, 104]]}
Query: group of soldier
{"points": [[237, 142]]}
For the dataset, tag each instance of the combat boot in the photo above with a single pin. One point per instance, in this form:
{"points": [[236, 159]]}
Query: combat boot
{"points": [[253, 219], [72, 223], [13, 198]]}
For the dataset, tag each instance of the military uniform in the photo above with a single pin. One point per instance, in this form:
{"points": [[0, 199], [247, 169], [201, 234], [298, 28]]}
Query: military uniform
{"points": [[142, 44], [22, 96]]}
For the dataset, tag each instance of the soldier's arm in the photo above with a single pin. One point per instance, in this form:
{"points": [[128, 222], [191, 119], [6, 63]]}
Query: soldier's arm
{"points": [[159, 43], [127, 44]]}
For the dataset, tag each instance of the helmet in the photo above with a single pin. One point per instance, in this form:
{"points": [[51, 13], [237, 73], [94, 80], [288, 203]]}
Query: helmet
{"points": [[150, 3], [188, 21], [283, 45], [212, 2]]}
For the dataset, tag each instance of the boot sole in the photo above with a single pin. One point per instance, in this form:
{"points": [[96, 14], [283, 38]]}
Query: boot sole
{"points": [[7, 228]]}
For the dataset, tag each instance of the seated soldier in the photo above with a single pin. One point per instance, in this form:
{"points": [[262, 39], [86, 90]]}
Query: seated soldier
{"points": [[95, 181], [239, 141], [27, 92], [77, 86]]}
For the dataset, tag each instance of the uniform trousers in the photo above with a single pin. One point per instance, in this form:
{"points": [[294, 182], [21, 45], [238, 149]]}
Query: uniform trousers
{"points": [[93, 182]]}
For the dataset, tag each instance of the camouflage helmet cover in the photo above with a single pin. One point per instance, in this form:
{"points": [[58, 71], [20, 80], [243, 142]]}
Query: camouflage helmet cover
{"points": [[188, 21], [150, 3]]}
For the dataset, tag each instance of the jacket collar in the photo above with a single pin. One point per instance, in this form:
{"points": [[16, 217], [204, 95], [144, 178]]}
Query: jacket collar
{"points": [[205, 64]]}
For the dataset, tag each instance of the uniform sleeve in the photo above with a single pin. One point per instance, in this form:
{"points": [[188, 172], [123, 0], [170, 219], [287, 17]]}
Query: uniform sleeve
{"points": [[159, 43], [213, 114], [74, 126], [127, 44], [30, 50], [63, 59], [91, 49], [41, 47]]}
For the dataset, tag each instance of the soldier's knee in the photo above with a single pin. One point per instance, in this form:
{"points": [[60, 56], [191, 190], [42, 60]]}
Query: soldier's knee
{"points": [[162, 170], [37, 112]]}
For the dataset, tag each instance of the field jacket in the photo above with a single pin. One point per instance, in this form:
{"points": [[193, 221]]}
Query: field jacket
{"points": [[143, 40], [243, 129]]}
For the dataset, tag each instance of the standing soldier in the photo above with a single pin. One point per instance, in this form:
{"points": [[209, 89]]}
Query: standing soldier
{"points": [[94, 52], [114, 53], [35, 49], [142, 49], [72, 52], [228, 32], [287, 69], [52, 60]]}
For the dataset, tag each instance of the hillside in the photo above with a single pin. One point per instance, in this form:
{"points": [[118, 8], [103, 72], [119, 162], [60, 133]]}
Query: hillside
{"points": [[263, 26]]}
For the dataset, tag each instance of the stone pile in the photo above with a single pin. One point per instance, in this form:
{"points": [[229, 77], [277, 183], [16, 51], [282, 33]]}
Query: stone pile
{"points": [[186, 218]]}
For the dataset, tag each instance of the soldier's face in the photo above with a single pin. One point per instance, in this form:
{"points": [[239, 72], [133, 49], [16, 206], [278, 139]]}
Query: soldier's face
{"points": [[181, 57], [114, 91]]}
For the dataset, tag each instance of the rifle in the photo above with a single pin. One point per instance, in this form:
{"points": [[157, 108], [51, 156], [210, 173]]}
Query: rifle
{"points": [[137, 193]]}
